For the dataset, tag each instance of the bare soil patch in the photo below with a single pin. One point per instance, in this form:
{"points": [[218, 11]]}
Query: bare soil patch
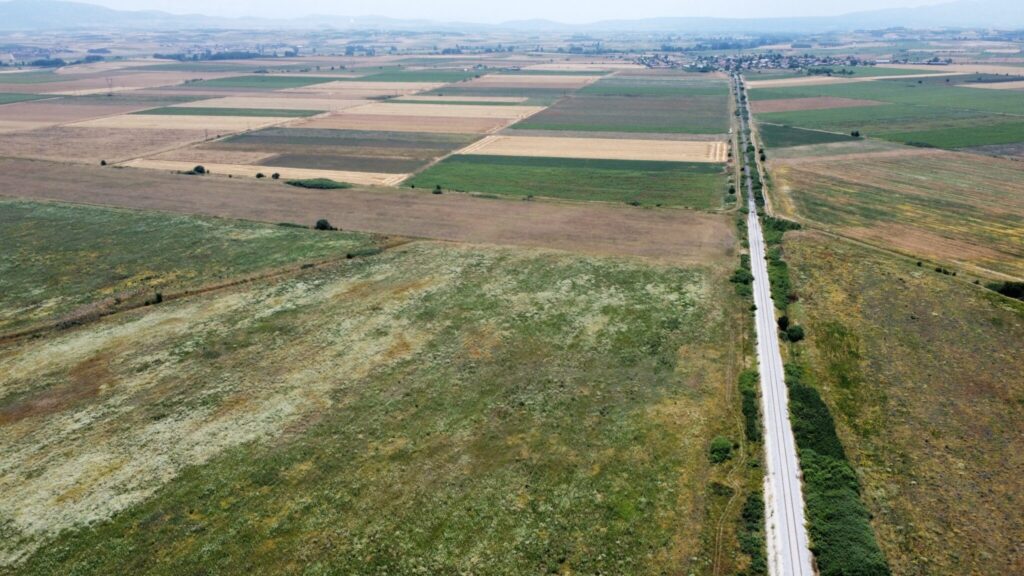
{"points": [[672, 236], [90, 145], [437, 124], [600, 148], [819, 103], [168, 122], [250, 171]]}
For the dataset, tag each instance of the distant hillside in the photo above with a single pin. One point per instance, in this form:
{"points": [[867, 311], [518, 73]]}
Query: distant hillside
{"points": [[60, 15]]}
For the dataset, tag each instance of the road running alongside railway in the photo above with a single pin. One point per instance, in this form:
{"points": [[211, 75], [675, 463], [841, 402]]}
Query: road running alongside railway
{"points": [[788, 551]]}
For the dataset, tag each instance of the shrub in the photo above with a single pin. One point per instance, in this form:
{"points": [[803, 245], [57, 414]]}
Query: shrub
{"points": [[318, 184], [323, 224], [783, 322], [437, 189], [795, 333], [260, 175], [199, 170], [103, 162], [275, 176], [751, 534], [721, 450], [751, 415], [855, 133], [1008, 289]]}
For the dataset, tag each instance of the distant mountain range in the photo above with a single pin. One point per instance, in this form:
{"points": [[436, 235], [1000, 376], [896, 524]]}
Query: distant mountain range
{"points": [[59, 15]]}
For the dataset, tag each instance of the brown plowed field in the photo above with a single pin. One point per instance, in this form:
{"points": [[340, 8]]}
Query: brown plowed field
{"points": [[796, 104], [438, 124], [674, 236]]}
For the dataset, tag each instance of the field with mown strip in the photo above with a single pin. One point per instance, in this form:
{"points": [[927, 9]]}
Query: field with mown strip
{"points": [[776, 136], [921, 372], [59, 258], [958, 209], [241, 112], [483, 407], [266, 82], [696, 185]]}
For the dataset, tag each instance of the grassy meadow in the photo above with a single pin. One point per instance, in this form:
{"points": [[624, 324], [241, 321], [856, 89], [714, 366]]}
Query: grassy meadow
{"points": [[429, 409], [693, 184]]}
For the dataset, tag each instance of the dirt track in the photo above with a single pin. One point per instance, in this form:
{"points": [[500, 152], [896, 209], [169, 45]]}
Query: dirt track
{"points": [[675, 236]]}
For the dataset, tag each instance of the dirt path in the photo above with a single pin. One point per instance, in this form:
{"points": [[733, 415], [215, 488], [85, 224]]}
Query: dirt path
{"points": [[668, 235]]}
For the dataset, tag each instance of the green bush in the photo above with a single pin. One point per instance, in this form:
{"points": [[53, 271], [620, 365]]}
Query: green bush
{"points": [[749, 398], [721, 450], [795, 333], [1008, 289], [751, 535], [318, 184], [842, 540]]}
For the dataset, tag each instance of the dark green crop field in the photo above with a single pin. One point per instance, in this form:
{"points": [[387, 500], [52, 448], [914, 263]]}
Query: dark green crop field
{"points": [[695, 185]]}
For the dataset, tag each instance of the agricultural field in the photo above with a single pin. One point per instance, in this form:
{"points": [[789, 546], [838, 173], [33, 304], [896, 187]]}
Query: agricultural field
{"points": [[12, 98], [641, 104], [600, 148], [958, 209], [263, 82], [692, 184], [776, 136], [484, 407], [219, 111], [943, 112], [60, 259], [921, 371]]}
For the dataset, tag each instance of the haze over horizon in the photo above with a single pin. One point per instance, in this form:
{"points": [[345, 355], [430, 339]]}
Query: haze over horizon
{"points": [[572, 11]]}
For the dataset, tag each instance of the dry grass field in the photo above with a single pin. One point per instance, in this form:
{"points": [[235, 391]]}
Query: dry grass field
{"points": [[90, 145], [959, 209], [215, 124], [672, 236], [286, 173], [396, 123], [922, 372], [606, 148]]}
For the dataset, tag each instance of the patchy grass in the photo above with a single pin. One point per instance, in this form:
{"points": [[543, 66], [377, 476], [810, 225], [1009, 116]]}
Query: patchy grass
{"points": [[58, 258], [431, 409], [258, 112], [921, 372], [697, 185]]}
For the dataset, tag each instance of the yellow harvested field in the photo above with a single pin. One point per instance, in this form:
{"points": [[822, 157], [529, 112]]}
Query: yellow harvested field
{"points": [[16, 125], [194, 155], [350, 89], [162, 122], [247, 170], [438, 124], [445, 110], [600, 148], [1014, 85], [274, 103], [532, 81], [466, 99]]}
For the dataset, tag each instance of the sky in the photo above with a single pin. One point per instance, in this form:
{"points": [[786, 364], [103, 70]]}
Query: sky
{"points": [[491, 11]]}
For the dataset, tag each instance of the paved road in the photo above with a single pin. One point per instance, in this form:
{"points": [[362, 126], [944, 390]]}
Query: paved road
{"points": [[788, 551]]}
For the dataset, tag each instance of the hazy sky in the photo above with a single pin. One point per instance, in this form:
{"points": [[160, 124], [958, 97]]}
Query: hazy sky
{"points": [[496, 11]]}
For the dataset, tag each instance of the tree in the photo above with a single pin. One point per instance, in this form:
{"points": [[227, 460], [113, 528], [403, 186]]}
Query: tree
{"points": [[855, 133], [103, 162], [260, 175], [199, 170], [721, 450], [437, 189], [795, 333], [323, 224], [783, 322], [275, 176]]}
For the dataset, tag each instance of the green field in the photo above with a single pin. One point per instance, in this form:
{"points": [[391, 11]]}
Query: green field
{"points": [[515, 72], [265, 82], [691, 115], [254, 112], [694, 185], [58, 258], [12, 98], [34, 77], [418, 76], [776, 136], [658, 86], [534, 96], [430, 409]]}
